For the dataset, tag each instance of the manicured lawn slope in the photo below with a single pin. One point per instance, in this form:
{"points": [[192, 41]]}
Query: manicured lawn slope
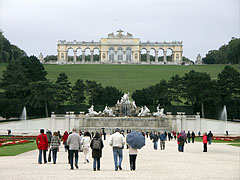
{"points": [[14, 150], [128, 78]]}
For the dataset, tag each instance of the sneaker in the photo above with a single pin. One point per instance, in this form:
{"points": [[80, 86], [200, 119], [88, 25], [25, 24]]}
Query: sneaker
{"points": [[72, 169], [98, 169], [120, 168], [94, 169], [76, 166]]}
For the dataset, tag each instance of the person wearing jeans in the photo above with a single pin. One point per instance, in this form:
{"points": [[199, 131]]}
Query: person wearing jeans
{"points": [[155, 141], [162, 141], [96, 146], [54, 144], [117, 141], [209, 137], [42, 144], [74, 142]]}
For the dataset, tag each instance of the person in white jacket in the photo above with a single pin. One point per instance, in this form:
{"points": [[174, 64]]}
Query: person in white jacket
{"points": [[117, 141], [86, 146]]}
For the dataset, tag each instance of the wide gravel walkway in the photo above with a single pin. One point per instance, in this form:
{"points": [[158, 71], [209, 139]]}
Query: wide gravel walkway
{"points": [[220, 162]]}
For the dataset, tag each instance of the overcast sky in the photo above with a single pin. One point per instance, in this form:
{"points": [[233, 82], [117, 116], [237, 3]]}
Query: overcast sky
{"points": [[36, 25]]}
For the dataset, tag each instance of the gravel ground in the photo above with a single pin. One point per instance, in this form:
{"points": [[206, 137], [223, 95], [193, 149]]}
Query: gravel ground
{"points": [[220, 162]]}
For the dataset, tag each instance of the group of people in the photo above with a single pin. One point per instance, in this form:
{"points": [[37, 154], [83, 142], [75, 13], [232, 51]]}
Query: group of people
{"points": [[75, 142], [182, 138]]}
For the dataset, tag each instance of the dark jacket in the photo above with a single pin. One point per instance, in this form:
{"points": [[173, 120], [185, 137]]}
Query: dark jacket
{"points": [[155, 138], [162, 137], [96, 153], [193, 135]]}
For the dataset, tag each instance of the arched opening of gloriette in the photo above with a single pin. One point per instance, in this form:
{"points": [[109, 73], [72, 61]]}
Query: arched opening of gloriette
{"points": [[169, 54], [111, 54], [143, 55], [87, 55], [96, 55], [160, 55], [70, 54], [79, 54], [120, 54], [152, 54], [128, 54]]}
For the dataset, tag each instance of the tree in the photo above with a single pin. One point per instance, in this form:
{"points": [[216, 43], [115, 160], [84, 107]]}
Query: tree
{"points": [[63, 89], [197, 86], [94, 92], [176, 87], [78, 96], [111, 95], [15, 83], [233, 51], [43, 95]]}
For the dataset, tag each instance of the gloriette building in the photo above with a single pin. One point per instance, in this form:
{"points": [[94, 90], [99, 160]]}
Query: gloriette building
{"points": [[120, 49]]}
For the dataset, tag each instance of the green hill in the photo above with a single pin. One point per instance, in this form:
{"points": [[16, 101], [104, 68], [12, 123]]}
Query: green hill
{"points": [[125, 77]]}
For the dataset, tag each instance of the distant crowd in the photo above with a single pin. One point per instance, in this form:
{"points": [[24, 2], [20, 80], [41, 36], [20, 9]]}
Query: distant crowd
{"points": [[84, 141]]}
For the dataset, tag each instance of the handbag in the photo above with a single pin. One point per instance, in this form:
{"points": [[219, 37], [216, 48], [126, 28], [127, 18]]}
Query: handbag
{"points": [[81, 148], [49, 155]]}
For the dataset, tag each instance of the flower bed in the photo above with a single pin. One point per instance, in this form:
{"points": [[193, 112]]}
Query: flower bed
{"points": [[224, 138], [7, 142]]}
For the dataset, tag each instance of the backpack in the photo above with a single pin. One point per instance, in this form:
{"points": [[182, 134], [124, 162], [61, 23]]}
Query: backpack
{"points": [[96, 144]]}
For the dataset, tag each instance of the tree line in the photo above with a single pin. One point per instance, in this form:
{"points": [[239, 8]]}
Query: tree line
{"points": [[24, 83], [198, 90], [8, 51], [226, 54]]}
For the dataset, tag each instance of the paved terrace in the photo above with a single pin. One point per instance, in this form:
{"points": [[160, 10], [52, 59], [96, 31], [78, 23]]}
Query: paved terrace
{"points": [[220, 162]]}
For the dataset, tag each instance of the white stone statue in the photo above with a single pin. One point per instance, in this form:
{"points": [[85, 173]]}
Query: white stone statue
{"points": [[134, 105], [91, 112], [108, 111], [144, 111], [159, 112]]}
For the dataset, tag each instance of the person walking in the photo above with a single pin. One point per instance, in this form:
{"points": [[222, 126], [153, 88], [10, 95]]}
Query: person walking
{"points": [[49, 136], [205, 142], [132, 157], [188, 136], [64, 139], [42, 144], [193, 136], [162, 141], [74, 142], [209, 137], [155, 140], [117, 141], [55, 143], [180, 141], [169, 136], [96, 146], [86, 145]]}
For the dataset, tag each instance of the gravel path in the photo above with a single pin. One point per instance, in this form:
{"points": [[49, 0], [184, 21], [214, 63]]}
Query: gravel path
{"points": [[220, 162]]}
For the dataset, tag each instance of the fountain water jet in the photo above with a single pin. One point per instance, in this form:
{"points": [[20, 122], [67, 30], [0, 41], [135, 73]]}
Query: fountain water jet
{"points": [[223, 116], [24, 116]]}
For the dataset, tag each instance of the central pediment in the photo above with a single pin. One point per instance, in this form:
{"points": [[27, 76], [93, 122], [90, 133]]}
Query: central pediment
{"points": [[119, 35]]}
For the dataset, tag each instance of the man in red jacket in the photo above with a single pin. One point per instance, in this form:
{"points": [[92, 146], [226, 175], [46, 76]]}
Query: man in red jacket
{"points": [[42, 143]]}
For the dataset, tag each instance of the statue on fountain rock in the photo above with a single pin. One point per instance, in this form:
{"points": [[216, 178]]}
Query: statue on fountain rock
{"points": [[144, 111], [108, 111], [159, 112], [91, 112]]}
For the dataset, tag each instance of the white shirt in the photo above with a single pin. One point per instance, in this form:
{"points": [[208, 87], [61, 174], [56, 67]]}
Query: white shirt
{"points": [[86, 141], [117, 140]]}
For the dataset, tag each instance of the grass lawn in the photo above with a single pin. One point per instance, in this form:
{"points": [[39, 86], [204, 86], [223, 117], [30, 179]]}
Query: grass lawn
{"points": [[13, 150], [232, 143], [127, 78]]}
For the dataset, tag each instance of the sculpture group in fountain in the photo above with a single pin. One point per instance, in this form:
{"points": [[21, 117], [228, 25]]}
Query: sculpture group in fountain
{"points": [[159, 112], [108, 111], [144, 111], [126, 108], [91, 112]]}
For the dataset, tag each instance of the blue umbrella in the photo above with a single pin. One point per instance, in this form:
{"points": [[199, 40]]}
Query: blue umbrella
{"points": [[136, 140]]}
